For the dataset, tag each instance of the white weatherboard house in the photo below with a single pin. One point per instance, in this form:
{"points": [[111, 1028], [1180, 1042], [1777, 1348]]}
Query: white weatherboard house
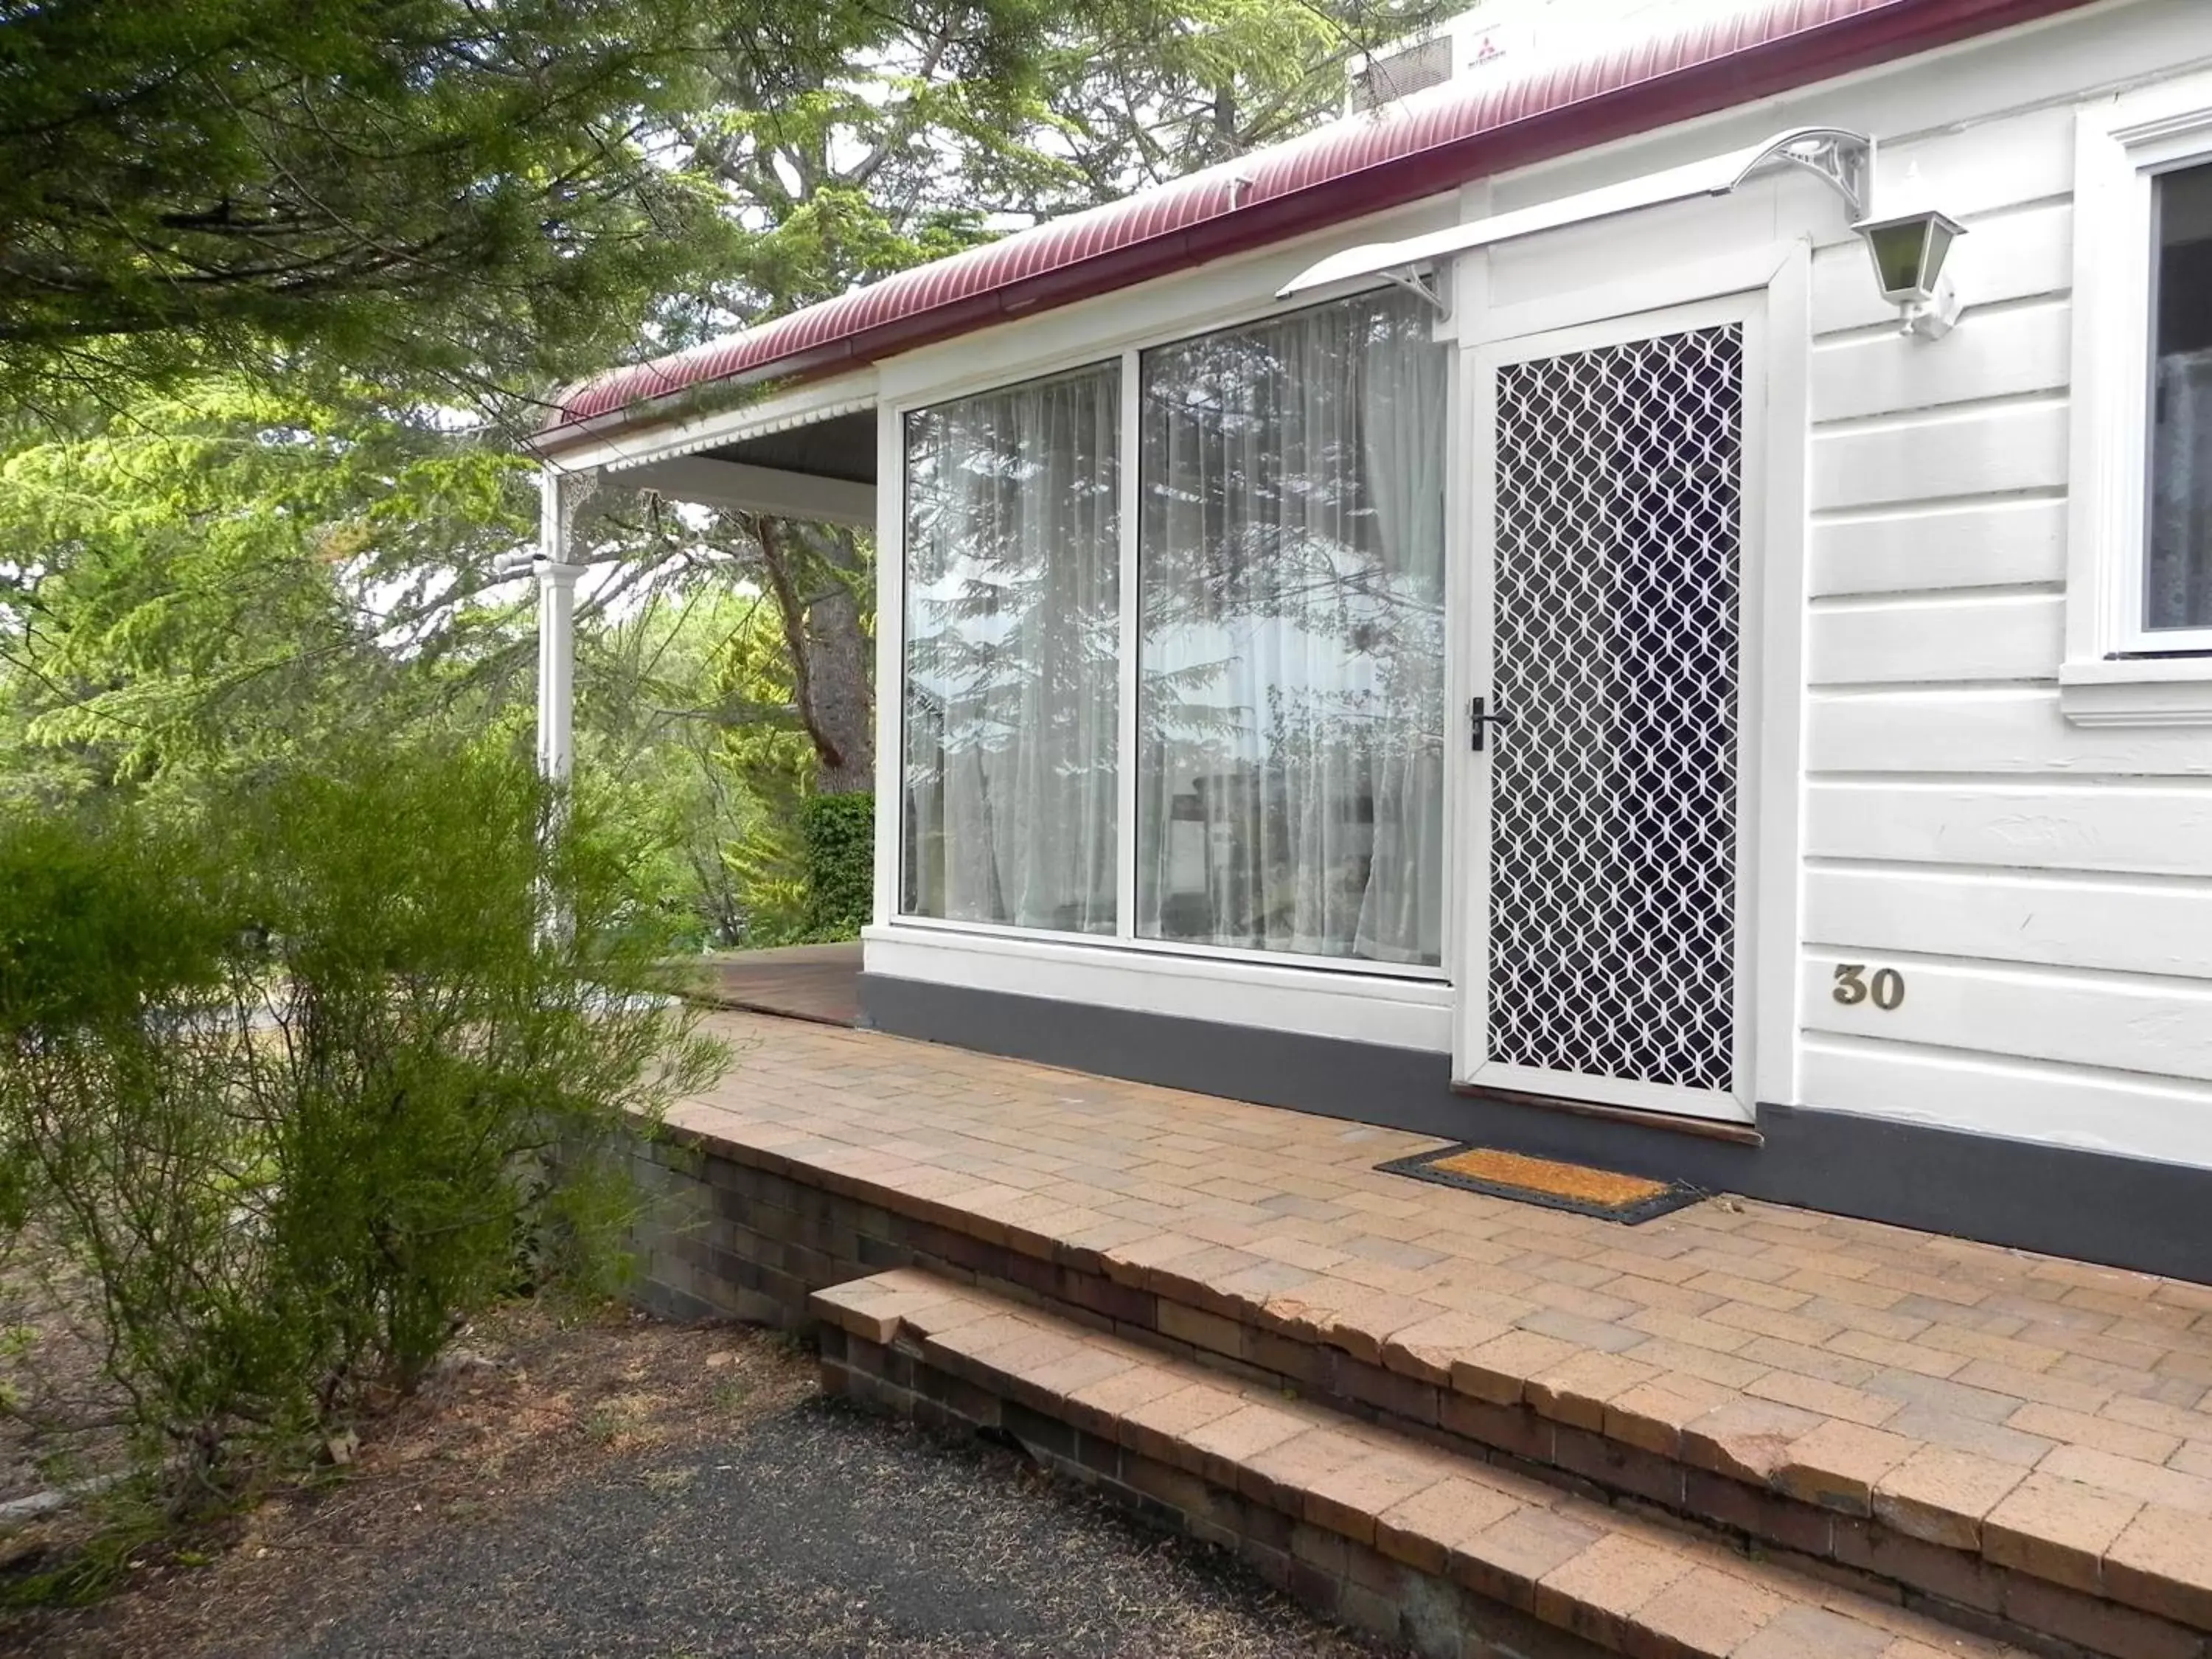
{"points": [[1500, 618]]}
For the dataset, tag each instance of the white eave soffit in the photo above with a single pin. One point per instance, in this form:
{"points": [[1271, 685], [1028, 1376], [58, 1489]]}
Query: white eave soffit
{"points": [[1843, 158], [617, 449], [733, 426]]}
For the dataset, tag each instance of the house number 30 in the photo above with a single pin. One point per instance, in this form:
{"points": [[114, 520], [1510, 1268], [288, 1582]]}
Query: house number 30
{"points": [[1852, 986]]}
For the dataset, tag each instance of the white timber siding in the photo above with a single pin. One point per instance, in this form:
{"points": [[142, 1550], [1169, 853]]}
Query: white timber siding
{"points": [[2044, 889]]}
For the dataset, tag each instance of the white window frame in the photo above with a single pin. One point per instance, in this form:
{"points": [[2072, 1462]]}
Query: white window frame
{"points": [[893, 412], [2109, 677]]}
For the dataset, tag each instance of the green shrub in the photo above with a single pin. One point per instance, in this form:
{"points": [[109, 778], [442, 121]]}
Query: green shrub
{"points": [[840, 835], [300, 1079]]}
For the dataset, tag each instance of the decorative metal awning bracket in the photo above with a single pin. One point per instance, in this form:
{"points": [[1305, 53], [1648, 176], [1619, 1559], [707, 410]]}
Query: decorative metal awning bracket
{"points": [[1842, 159], [1421, 282]]}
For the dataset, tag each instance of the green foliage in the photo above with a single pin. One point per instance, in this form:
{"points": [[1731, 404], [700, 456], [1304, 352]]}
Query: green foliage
{"points": [[1158, 90], [917, 135], [214, 580], [760, 741], [685, 711], [302, 1078], [439, 192], [204, 579], [839, 831], [421, 187], [130, 1520]]}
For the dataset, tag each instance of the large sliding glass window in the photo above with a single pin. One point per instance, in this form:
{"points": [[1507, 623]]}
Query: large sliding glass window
{"points": [[1287, 667], [1013, 605], [1291, 552]]}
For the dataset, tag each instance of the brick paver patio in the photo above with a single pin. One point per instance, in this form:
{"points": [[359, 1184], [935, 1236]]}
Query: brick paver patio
{"points": [[2065, 1405]]}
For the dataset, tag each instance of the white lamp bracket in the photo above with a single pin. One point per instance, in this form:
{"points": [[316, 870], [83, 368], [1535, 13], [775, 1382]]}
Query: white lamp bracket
{"points": [[1932, 319]]}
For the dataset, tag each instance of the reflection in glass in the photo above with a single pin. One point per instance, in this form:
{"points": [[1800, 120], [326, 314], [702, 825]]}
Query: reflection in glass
{"points": [[2178, 584], [1290, 794], [1013, 547]]}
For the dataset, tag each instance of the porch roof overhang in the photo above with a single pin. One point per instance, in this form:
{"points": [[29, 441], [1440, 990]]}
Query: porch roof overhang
{"points": [[1844, 160], [776, 492], [808, 452], [820, 467], [1725, 55]]}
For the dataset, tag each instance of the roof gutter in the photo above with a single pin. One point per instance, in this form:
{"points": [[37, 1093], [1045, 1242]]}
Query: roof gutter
{"points": [[1863, 40]]}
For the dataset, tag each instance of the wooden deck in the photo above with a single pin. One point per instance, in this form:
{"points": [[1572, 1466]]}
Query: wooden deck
{"points": [[816, 982]]}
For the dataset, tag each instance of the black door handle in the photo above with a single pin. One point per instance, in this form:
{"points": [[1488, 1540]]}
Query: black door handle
{"points": [[1477, 719]]}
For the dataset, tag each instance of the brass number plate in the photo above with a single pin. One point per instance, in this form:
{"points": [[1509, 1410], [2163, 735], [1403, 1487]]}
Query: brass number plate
{"points": [[1886, 989]]}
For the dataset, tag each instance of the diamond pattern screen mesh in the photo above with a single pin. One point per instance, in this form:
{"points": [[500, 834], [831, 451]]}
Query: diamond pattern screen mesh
{"points": [[1612, 866]]}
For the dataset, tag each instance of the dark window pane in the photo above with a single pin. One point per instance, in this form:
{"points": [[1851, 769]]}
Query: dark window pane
{"points": [[2178, 584], [1897, 255]]}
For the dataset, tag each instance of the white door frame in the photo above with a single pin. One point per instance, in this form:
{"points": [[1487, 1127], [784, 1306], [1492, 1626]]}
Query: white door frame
{"points": [[1767, 290]]}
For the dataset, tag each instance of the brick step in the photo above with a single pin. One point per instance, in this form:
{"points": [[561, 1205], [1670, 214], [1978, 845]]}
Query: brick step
{"points": [[2076, 1568], [2116, 1563], [1457, 1557], [1976, 1541]]}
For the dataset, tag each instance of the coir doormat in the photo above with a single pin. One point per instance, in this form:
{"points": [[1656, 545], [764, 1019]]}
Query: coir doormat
{"points": [[1602, 1193]]}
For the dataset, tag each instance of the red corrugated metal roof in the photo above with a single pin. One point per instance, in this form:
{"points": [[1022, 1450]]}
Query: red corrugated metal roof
{"points": [[1403, 152]]}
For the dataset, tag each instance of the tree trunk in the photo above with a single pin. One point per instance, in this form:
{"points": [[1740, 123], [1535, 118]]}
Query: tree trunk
{"points": [[814, 574]]}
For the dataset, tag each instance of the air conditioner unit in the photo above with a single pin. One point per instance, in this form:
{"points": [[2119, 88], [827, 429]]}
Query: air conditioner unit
{"points": [[1449, 51]]}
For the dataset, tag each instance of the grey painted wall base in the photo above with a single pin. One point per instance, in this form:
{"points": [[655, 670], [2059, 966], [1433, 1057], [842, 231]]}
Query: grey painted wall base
{"points": [[2122, 1212]]}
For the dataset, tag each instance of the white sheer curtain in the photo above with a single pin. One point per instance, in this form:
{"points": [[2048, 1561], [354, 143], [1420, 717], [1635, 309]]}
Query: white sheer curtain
{"points": [[2178, 587], [1402, 405], [2178, 577], [1291, 660], [1012, 606]]}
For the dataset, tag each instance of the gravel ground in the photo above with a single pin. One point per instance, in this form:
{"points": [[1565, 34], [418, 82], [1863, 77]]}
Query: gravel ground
{"points": [[676, 1494], [821, 1532]]}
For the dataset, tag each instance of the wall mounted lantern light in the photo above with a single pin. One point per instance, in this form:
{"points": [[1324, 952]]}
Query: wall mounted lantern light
{"points": [[1909, 250]]}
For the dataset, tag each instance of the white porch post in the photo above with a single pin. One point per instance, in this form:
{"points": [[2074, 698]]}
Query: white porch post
{"points": [[557, 666], [559, 495]]}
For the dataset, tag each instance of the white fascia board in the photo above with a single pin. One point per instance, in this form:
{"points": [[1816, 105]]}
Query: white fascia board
{"points": [[1716, 175], [757, 490]]}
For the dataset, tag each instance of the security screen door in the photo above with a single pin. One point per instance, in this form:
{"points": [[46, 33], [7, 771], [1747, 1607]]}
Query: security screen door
{"points": [[1604, 914]]}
